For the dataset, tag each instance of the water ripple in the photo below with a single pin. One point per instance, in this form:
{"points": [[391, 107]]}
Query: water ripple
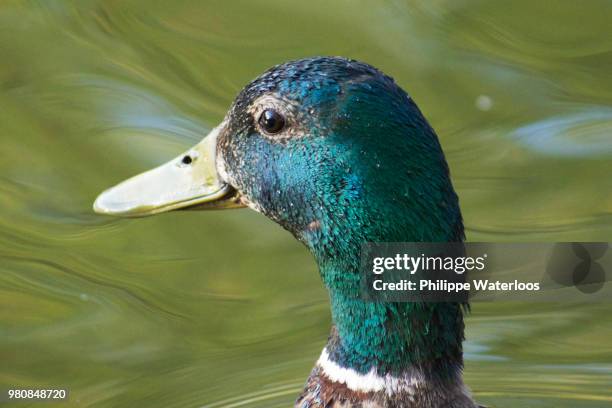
{"points": [[586, 133]]}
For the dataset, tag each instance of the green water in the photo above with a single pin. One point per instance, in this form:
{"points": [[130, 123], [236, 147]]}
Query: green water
{"points": [[225, 309]]}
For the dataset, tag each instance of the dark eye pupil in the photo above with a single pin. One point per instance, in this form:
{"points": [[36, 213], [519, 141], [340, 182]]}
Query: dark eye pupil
{"points": [[271, 121]]}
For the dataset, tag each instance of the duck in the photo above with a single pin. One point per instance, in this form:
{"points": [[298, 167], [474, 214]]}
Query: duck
{"points": [[338, 154]]}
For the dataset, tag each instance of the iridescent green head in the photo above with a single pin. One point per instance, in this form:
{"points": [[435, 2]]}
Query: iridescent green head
{"points": [[338, 154]]}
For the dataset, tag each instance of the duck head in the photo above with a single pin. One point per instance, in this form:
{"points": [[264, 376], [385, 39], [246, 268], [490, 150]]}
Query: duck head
{"points": [[331, 149], [339, 155]]}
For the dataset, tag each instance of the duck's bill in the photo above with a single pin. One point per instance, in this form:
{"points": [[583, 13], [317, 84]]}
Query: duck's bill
{"points": [[190, 181]]}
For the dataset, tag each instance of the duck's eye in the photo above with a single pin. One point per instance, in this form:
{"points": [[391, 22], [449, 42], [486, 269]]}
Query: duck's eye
{"points": [[271, 121]]}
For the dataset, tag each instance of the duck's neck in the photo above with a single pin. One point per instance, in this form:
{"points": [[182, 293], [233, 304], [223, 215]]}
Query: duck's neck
{"points": [[384, 353], [387, 339]]}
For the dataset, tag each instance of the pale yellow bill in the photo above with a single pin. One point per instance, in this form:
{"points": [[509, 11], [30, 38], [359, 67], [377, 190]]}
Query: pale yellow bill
{"points": [[189, 180]]}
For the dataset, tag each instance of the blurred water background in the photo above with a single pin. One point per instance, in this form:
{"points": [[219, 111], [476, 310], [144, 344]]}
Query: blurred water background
{"points": [[225, 309]]}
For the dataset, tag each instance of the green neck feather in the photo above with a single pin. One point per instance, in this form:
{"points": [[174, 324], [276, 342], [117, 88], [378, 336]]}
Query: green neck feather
{"points": [[392, 337]]}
